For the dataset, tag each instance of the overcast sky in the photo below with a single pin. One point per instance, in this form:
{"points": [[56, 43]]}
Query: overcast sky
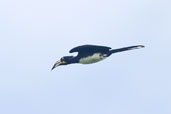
{"points": [[34, 34]]}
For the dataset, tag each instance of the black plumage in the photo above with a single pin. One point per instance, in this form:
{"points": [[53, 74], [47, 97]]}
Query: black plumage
{"points": [[92, 48], [90, 54]]}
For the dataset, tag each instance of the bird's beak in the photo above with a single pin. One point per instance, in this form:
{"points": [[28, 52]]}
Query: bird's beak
{"points": [[58, 63]]}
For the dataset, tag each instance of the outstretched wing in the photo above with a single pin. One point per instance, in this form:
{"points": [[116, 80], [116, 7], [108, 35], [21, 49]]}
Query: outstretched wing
{"points": [[90, 48]]}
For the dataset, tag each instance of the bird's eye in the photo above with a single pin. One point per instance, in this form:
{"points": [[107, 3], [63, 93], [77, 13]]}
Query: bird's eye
{"points": [[62, 59]]}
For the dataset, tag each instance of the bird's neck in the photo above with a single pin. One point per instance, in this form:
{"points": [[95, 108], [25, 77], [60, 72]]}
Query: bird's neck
{"points": [[74, 60]]}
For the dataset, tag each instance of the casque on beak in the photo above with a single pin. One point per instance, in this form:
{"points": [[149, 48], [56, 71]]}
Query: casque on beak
{"points": [[58, 63]]}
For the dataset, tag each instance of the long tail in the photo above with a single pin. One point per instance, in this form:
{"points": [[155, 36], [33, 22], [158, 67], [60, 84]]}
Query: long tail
{"points": [[126, 48]]}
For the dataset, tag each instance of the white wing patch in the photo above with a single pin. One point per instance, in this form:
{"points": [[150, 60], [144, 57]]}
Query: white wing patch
{"points": [[92, 59]]}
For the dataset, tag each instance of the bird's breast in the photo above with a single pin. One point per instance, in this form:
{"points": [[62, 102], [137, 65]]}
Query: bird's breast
{"points": [[92, 59]]}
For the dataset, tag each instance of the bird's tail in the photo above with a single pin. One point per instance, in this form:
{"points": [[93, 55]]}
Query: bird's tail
{"points": [[126, 48]]}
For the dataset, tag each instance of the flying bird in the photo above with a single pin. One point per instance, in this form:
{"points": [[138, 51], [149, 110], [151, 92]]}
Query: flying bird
{"points": [[88, 54]]}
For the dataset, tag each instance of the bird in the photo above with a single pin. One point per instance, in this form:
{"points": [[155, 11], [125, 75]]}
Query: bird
{"points": [[88, 54]]}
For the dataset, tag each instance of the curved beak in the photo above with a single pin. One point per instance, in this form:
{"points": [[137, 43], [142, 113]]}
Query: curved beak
{"points": [[58, 63]]}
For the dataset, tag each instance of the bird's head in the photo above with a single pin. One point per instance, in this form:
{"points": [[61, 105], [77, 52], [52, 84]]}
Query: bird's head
{"points": [[63, 61]]}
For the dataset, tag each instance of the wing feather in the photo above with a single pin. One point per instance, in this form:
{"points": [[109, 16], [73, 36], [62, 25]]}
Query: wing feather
{"points": [[90, 48]]}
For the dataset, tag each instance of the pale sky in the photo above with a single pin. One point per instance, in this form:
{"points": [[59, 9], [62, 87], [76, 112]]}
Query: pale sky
{"points": [[34, 34]]}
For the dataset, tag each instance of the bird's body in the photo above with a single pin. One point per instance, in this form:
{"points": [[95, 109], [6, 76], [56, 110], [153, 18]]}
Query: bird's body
{"points": [[88, 54], [92, 58]]}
